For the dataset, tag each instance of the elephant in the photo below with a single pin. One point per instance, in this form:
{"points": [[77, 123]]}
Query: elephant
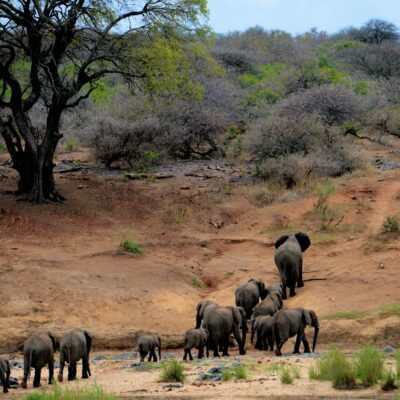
{"points": [[39, 350], [263, 325], [198, 339], [220, 323], [5, 374], [289, 260], [249, 294], [74, 346], [147, 344], [274, 288], [290, 322], [269, 306], [202, 308]]}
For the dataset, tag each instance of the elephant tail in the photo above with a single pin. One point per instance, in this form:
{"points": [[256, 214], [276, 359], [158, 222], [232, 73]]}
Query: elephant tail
{"points": [[27, 366]]}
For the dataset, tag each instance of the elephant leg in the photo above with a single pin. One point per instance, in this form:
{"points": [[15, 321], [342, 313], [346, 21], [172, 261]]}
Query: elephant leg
{"points": [[190, 355], [271, 342], [4, 381], [284, 296], [236, 334], [300, 282], [265, 344], [61, 370], [305, 344], [143, 355], [154, 355], [36, 379], [258, 345], [200, 354], [185, 354], [207, 351], [51, 371], [214, 346], [150, 356], [85, 363], [297, 344], [225, 346], [292, 291]]}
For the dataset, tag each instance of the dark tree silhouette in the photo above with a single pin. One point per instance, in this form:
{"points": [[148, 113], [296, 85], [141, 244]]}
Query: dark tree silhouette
{"points": [[55, 53]]}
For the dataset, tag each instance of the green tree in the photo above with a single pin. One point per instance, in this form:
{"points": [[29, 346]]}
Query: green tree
{"points": [[54, 54]]}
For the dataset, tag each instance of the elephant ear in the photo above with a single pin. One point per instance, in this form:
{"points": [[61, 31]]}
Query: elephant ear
{"points": [[314, 319], [282, 239], [307, 317], [53, 339], [88, 337], [304, 240]]}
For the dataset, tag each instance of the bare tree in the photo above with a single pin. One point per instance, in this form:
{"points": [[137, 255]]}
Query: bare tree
{"points": [[66, 48], [375, 31]]}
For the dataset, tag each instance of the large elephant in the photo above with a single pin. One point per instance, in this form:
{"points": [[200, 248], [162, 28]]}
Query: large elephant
{"points": [[269, 306], [220, 323], [291, 322], [197, 339], [5, 374], [263, 326], [249, 294], [202, 308], [289, 260], [74, 346], [39, 350], [147, 344], [274, 288]]}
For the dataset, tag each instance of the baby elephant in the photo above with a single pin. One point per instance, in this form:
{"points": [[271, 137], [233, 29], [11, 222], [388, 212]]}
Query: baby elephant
{"points": [[75, 345], [198, 339], [263, 326], [38, 351], [148, 344], [5, 374]]}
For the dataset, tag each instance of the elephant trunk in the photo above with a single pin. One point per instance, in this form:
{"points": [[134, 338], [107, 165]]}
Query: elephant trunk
{"points": [[315, 339]]}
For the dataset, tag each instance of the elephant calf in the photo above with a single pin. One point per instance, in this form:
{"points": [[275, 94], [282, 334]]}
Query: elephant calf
{"points": [[263, 325], [269, 306], [291, 322], [198, 339], [148, 344], [39, 350], [74, 346], [5, 374]]}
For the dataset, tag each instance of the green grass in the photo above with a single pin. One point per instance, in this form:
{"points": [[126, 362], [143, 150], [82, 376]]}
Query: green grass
{"points": [[172, 372], [334, 367], [71, 144], [198, 283], [71, 393], [227, 375], [241, 372], [131, 247], [397, 358], [369, 366], [389, 380], [286, 375], [389, 309]]}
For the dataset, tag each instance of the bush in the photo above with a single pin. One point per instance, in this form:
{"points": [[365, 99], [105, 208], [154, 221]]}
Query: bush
{"points": [[172, 372], [391, 225], [75, 393], [131, 247], [388, 381], [369, 366], [71, 144], [336, 368], [286, 375]]}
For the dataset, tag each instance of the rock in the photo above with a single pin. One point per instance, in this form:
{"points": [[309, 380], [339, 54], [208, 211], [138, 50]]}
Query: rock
{"points": [[389, 350], [168, 355], [216, 370], [15, 365], [125, 356], [171, 386]]}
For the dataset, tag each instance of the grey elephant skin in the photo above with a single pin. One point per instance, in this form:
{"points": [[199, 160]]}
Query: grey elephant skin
{"points": [[220, 323], [263, 326], [5, 374], [289, 260], [249, 294], [147, 344], [74, 346], [269, 306], [202, 308], [291, 322], [39, 350], [195, 339]]}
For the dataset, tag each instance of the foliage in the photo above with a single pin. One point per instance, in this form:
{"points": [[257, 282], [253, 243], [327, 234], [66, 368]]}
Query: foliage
{"points": [[336, 368], [369, 366], [172, 372], [71, 393], [71, 144], [389, 380], [198, 283], [237, 373], [131, 247], [391, 225], [288, 374]]}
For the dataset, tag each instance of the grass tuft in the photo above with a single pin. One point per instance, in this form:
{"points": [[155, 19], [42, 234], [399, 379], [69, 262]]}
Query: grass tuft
{"points": [[286, 375], [172, 372], [336, 368], [369, 366], [397, 358], [389, 381], [391, 225], [74, 393], [198, 283], [131, 247], [241, 372]]}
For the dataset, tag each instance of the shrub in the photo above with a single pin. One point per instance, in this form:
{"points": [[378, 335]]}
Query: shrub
{"points": [[131, 247], [286, 375], [388, 381], [336, 368], [71, 144], [241, 372], [172, 372], [227, 374], [74, 393], [391, 225], [369, 366]]}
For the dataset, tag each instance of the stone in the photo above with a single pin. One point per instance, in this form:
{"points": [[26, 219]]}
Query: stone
{"points": [[171, 386], [389, 350]]}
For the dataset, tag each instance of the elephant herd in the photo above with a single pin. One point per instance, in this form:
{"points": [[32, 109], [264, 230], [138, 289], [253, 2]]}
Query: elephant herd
{"points": [[261, 305]]}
